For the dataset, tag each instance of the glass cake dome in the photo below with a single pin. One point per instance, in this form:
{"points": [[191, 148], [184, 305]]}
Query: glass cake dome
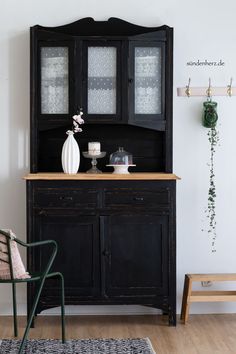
{"points": [[121, 157]]}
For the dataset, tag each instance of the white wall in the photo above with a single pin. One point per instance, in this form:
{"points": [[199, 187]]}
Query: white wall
{"points": [[203, 30]]}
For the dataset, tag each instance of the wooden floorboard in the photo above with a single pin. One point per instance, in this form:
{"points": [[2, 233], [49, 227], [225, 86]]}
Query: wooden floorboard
{"points": [[203, 334]]}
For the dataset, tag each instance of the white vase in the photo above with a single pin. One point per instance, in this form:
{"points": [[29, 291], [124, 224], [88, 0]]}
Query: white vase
{"points": [[70, 156]]}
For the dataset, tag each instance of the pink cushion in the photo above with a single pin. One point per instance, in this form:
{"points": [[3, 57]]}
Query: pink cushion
{"points": [[19, 271]]}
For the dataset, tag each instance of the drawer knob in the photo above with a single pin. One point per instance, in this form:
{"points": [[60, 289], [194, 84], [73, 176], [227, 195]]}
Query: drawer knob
{"points": [[42, 212], [138, 199], [66, 198]]}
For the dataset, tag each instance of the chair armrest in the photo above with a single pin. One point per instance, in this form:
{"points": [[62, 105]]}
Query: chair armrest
{"points": [[51, 258], [41, 243], [36, 244]]}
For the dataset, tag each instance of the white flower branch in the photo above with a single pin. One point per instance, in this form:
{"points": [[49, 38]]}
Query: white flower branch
{"points": [[77, 121]]}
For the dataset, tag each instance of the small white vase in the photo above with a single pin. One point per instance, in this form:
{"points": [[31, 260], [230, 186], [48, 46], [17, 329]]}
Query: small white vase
{"points": [[70, 156]]}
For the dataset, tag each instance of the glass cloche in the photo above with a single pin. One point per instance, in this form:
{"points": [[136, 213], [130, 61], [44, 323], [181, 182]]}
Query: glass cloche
{"points": [[121, 160], [121, 157]]}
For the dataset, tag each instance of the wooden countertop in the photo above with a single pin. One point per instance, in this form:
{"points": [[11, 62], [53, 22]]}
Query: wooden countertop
{"points": [[102, 176]]}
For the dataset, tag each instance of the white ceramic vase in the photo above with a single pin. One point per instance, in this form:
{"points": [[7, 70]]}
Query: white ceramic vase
{"points": [[70, 156]]}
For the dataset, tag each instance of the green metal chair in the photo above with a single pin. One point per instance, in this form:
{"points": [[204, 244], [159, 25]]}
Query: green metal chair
{"points": [[39, 277]]}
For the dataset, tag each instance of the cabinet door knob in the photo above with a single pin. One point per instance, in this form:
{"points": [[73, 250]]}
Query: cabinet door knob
{"points": [[131, 80], [106, 253]]}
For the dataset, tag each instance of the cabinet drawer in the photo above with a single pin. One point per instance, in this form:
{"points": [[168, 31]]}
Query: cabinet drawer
{"points": [[122, 197], [74, 198]]}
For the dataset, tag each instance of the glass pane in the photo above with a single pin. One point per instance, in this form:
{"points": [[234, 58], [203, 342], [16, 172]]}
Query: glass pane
{"points": [[147, 80], [54, 80], [102, 80]]}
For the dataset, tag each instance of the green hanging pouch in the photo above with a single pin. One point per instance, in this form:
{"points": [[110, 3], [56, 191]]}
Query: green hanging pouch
{"points": [[210, 115]]}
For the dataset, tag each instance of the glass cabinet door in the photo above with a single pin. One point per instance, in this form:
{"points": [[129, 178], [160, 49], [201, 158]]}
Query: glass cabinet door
{"points": [[102, 78], [147, 73], [146, 79], [54, 80]]}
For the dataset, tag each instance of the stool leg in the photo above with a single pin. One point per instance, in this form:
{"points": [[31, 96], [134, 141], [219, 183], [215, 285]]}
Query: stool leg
{"points": [[185, 301]]}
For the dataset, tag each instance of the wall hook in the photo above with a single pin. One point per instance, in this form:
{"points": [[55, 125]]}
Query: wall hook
{"points": [[188, 90], [209, 90], [229, 88]]}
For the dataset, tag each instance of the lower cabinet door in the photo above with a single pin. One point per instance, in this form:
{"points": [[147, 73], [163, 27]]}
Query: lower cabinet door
{"points": [[78, 256], [135, 255]]}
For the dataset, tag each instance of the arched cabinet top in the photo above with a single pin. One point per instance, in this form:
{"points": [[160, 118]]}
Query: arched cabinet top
{"points": [[112, 27]]}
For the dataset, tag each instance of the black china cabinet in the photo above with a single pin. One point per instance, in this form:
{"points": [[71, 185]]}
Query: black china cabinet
{"points": [[116, 233]]}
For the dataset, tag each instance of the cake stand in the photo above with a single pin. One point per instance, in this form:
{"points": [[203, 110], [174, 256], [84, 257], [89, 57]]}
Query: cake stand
{"points": [[93, 158], [121, 169]]}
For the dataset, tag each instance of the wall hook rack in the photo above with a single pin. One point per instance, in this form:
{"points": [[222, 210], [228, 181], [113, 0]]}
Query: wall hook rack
{"points": [[189, 91]]}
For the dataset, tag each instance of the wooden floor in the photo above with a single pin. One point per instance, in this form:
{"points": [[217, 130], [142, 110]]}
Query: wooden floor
{"points": [[204, 334]]}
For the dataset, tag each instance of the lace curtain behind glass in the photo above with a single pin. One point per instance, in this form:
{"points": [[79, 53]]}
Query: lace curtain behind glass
{"points": [[147, 80], [102, 80], [54, 80]]}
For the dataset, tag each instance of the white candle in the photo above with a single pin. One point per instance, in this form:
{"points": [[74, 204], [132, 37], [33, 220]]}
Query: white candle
{"points": [[94, 148]]}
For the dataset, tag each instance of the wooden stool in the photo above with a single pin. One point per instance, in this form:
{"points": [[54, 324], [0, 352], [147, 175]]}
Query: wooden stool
{"points": [[205, 295]]}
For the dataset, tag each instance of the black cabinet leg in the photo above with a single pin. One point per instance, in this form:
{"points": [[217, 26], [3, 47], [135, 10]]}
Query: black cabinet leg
{"points": [[172, 318]]}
